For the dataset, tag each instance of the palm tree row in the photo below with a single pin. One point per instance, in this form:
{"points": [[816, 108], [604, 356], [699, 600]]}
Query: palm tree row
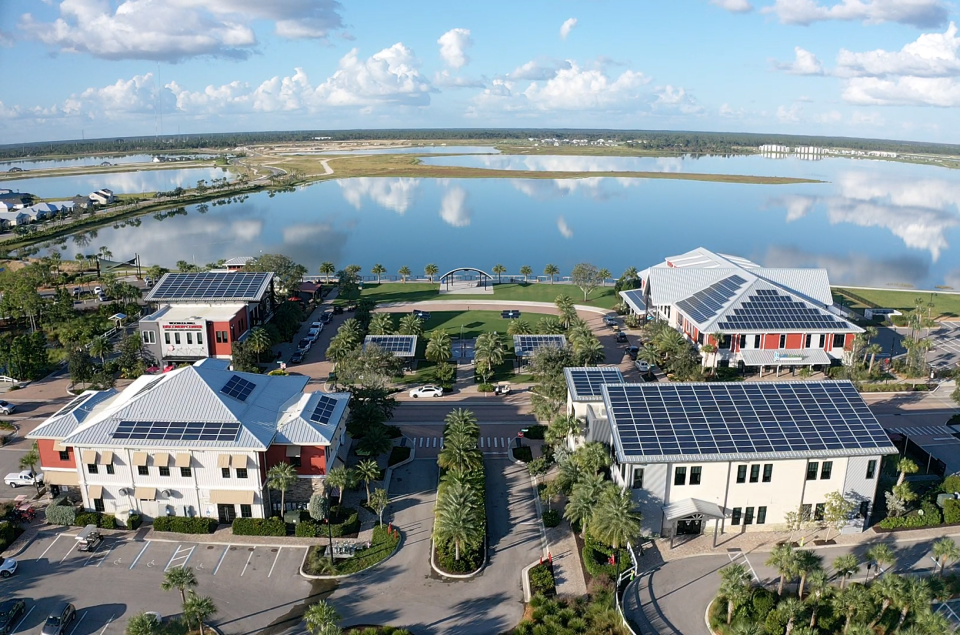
{"points": [[196, 608], [460, 514], [431, 270]]}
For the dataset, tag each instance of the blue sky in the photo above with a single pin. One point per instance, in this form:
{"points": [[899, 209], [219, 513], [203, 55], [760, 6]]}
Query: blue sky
{"points": [[865, 68]]}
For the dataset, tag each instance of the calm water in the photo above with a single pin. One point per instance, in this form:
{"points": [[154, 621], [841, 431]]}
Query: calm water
{"points": [[873, 223], [119, 182], [47, 164], [414, 150]]}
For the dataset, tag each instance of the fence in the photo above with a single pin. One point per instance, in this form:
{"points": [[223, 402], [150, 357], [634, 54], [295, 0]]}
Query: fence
{"points": [[626, 575]]}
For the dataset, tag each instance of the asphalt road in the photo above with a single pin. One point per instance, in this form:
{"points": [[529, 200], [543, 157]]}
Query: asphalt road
{"points": [[487, 409]]}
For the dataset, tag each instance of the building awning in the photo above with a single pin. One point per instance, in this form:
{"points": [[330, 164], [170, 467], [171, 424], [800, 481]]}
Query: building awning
{"points": [[89, 457], [139, 458], [238, 461], [145, 493], [231, 497], [95, 491], [161, 459], [106, 457], [293, 450], [634, 300], [64, 479], [692, 507], [58, 447], [223, 461], [800, 357], [183, 460]]}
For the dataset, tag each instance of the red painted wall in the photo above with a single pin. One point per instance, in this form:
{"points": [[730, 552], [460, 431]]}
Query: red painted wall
{"points": [[848, 342], [313, 459], [51, 458], [771, 341], [233, 333], [794, 340]]}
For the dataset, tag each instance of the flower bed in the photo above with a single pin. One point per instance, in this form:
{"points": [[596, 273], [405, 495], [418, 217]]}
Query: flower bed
{"points": [[382, 545], [541, 579]]}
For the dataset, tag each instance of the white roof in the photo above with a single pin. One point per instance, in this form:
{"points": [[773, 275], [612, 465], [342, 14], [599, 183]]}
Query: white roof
{"points": [[297, 428], [692, 507], [191, 312], [238, 261]]}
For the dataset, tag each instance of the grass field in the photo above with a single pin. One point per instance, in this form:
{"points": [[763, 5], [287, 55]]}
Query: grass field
{"points": [[945, 305], [603, 297]]}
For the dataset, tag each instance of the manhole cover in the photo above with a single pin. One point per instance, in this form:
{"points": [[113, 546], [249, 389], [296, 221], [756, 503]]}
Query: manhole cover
{"points": [[233, 548], [210, 547], [251, 548], [273, 551]]}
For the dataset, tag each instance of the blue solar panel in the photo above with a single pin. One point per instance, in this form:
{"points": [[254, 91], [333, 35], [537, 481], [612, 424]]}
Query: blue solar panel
{"points": [[587, 382], [525, 345], [238, 388], [705, 304], [769, 309], [237, 285], [176, 431], [325, 407], [400, 345]]}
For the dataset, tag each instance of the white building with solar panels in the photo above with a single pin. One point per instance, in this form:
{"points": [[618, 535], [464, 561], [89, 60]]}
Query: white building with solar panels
{"points": [[196, 441], [585, 401], [733, 457], [758, 317]]}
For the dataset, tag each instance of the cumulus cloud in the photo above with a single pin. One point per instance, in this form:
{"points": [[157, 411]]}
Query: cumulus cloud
{"points": [[393, 194], [805, 63], [175, 30], [676, 98], [575, 88], [453, 47], [444, 79], [566, 27], [789, 115], [391, 75], [918, 13], [564, 228], [538, 69], [733, 6], [453, 208]]}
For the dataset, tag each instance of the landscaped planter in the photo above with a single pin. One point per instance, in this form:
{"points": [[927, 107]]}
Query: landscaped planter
{"points": [[879, 530]]}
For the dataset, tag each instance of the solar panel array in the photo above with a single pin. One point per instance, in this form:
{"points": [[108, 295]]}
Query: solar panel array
{"points": [[403, 345], [527, 344], [177, 431], [636, 296], [769, 309], [325, 407], [209, 286], [658, 420], [238, 388], [705, 304], [73, 405], [587, 381], [150, 384]]}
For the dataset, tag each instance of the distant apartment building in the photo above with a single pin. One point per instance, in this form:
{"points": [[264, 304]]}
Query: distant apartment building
{"points": [[102, 197]]}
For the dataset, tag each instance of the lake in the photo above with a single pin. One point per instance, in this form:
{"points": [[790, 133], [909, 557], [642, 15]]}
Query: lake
{"points": [[873, 223], [48, 164], [119, 182], [413, 150]]}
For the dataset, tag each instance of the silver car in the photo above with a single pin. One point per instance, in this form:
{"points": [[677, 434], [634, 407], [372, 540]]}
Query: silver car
{"points": [[59, 618], [6, 407]]}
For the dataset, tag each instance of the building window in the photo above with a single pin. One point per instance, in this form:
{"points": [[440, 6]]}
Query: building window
{"points": [[166, 338], [805, 512], [189, 338], [185, 471], [743, 341], [826, 470], [755, 473], [680, 476], [783, 340], [294, 461], [199, 337], [807, 341], [812, 470], [700, 339], [142, 470], [724, 343], [225, 472], [756, 341], [864, 509], [222, 337], [637, 478], [246, 511], [695, 472], [741, 473], [241, 472], [109, 468], [164, 470], [735, 519], [748, 516], [871, 469], [98, 505], [823, 340], [149, 337], [176, 338], [818, 512], [761, 515], [92, 468], [838, 339], [767, 472], [65, 456]]}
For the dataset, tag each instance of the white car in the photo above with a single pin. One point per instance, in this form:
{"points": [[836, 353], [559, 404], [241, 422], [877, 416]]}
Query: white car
{"points": [[6, 407], [97, 290], [8, 566], [427, 391], [26, 477], [642, 366]]}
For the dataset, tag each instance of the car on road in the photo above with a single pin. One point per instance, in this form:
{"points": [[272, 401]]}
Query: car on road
{"points": [[633, 351], [315, 330], [337, 309], [11, 612], [642, 366], [326, 317], [621, 336], [26, 477], [77, 291], [304, 344], [8, 566], [6, 407], [296, 358], [97, 290], [101, 297], [59, 618], [609, 320], [426, 391]]}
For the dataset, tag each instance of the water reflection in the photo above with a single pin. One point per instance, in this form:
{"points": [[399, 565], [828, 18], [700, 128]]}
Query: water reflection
{"points": [[393, 194], [852, 268], [565, 230], [119, 182], [453, 207], [413, 150]]}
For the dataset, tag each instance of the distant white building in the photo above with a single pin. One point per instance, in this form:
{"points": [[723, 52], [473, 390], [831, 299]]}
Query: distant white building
{"points": [[771, 148], [102, 197]]}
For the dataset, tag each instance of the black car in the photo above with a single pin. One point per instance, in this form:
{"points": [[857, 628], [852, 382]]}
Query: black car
{"points": [[621, 336], [60, 617], [11, 612], [296, 358], [633, 351], [326, 317], [337, 309]]}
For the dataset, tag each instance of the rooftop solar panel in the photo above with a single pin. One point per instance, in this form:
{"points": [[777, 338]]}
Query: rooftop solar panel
{"points": [[73, 405], [586, 383], [768, 309], [664, 422], [237, 285], [176, 431], [238, 388], [399, 345], [325, 407], [525, 345], [706, 303], [150, 384]]}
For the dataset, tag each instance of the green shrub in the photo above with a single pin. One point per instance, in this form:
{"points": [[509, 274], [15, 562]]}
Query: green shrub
{"points": [[259, 527], [930, 518], [107, 521], [470, 559], [60, 513], [185, 525], [134, 521], [951, 511], [398, 455], [775, 623], [523, 454], [551, 518], [485, 387], [596, 558], [541, 580], [306, 529], [7, 534], [951, 484], [535, 432], [349, 523], [899, 320], [761, 603], [87, 518]]}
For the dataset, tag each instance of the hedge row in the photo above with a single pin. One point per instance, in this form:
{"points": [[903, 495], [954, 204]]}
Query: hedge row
{"points": [[7, 534], [894, 387], [259, 527], [312, 529], [930, 518], [596, 557], [59, 512], [103, 521], [185, 525]]}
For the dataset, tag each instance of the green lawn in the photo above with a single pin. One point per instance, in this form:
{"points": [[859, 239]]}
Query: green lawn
{"points": [[533, 292], [944, 304]]}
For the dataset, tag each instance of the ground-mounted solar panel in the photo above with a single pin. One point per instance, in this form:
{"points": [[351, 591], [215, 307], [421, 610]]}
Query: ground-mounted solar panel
{"points": [[587, 382], [238, 388], [526, 345], [706, 303], [399, 345], [323, 410], [237, 285], [768, 309], [176, 431]]}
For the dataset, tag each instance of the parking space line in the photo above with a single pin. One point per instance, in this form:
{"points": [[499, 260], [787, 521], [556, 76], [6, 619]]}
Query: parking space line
{"points": [[68, 553], [421, 442], [481, 443], [176, 556], [172, 556], [99, 555], [248, 561], [24, 618], [137, 559], [51, 546], [104, 629], [275, 562], [220, 561], [74, 629]]}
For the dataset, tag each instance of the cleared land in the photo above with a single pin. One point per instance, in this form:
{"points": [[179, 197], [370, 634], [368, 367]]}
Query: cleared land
{"points": [[603, 297], [945, 305]]}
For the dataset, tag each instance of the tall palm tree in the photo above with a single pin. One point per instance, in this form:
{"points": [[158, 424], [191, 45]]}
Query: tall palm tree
{"points": [[499, 269], [551, 270], [906, 466], [368, 471], [431, 270], [854, 601], [411, 325], [873, 350], [886, 590], [845, 566], [199, 608], [101, 346], [881, 554], [525, 271], [818, 582], [439, 346], [806, 562], [460, 454], [593, 457], [327, 269], [490, 350], [929, 623], [587, 349], [616, 520], [376, 441], [735, 586], [381, 324], [916, 593], [179, 578], [461, 421], [281, 477], [791, 608], [341, 478], [565, 306], [945, 550], [320, 617], [259, 341], [378, 270], [603, 274], [579, 509], [404, 271], [458, 518], [519, 327], [784, 559]]}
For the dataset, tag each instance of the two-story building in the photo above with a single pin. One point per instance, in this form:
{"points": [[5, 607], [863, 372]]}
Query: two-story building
{"points": [[755, 316], [196, 441], [585, 401]]}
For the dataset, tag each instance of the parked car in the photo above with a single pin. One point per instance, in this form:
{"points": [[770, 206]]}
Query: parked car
{"points": [[642, 366], [337, 309], [11, 612], [326, 317], [8, 566], [621, 336], [60, 617], [304, 345], [97, 290], [609, 320], [427, 391], [296, 358], [101, 297], [6, 407], [26, 477], [148, 281], [77, 291], [633, 351], [315, 329]]}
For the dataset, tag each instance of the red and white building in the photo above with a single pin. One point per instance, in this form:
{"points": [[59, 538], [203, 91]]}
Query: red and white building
{"points": [[756, 316]]}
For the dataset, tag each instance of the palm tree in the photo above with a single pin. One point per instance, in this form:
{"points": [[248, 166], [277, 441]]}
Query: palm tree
{"points": [[341, 478], [431, 270], [499, 269], [603, 274], [460, 454], [320, 617], [411, 325], [916, 593], [519, 327], [561, 429], [873, 350], [845, 566], [551, 270], [650, 355], [928, 623], [525, 271], [587, 349], [100, 347], [368, 471], [784, 559], [327, 269], [791, 608], [378, 501], [458, 518], [565, 306], [616, 520], [381, 324], [945, 550], [199, 608], [906, 466], [579, 508], [593, 457], [378, 270], [886, 590], [179, 578], [281, 477], [735, 586], [806, 562], [461, 422], [439, 346], [259, 341], [747, 628], [489, 350], [881, 554], [855, 600], [143, 624], [404, 271], [818, 582], [376, 441]]}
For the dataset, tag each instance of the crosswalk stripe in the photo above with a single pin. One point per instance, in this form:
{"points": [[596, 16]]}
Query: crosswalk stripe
{"points": [[481, 442]]}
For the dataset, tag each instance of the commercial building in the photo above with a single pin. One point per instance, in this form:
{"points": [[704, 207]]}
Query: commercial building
{"points": [[196, 441], [756, 316]]}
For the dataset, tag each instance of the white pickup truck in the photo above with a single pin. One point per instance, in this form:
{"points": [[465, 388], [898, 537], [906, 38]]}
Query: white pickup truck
{"points": [[26, 477]]}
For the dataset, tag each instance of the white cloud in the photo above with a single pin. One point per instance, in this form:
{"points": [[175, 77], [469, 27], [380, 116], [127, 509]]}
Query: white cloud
{"points": [[733, 6], [565, 230], [393, 194], [867, 119], [392, 75], [931, 55], [676, 98], [566, 27], [453, 208], [453, 46], [538, 69], [904, 91], [789, 115], [919, 13], [174, 30], [805, 63], [575, 89], [444, 79], [726, 110]]}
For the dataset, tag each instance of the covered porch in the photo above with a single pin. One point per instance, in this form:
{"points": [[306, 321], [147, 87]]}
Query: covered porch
{"points": [[688, 517], [777, 359]]}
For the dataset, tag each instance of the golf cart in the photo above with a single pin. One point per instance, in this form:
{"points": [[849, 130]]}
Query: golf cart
{"points": [[503, 388], [89, 538]]}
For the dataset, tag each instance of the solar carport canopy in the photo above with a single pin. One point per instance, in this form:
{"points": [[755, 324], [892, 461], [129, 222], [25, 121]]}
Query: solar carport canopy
{"points": [[665, 423]]}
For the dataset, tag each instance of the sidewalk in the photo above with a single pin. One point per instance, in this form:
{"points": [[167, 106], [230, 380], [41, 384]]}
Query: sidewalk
{"points": [[567, 570]]}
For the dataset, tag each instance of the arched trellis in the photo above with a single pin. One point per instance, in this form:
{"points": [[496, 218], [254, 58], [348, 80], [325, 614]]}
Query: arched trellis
{"points": [[468, 277]]}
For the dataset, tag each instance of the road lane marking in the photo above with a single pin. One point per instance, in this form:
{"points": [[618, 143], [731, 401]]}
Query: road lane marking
{"points": [[275, 562], [24, 618], [74, 629], [481, 442], [219, 562], [104, 629], [137, 559], [248, 562], [51, 546], [68, 553]]}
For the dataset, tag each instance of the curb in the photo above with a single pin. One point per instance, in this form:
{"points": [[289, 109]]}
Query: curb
{"points": [[456, 576], [27, 538], [706, 616], [525, 575], [347, 575]]}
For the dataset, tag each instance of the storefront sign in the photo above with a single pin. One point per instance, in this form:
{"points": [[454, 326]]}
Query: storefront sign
{"points": [[783, 357]]}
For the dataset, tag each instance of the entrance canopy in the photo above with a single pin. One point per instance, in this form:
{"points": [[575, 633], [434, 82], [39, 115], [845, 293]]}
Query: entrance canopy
{"points": [[466, 280], [801, 357], [692, 507]]}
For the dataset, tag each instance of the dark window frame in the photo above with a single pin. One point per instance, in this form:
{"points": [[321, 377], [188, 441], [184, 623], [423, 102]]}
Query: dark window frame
{"points": [[246, 511], [813, 468], [92, 468], [826, 470], [735, 516], [841, 338], [783, 341], [143, 470], [98, 505], [110, 469], [242, 472], [696, 475], [767, 473], [748, 516], [164, 470], [871, 469], [295, 461], [757, 341], [755, 473], [741, 474], [224, 472], [818, 511], [186, 472], [679, 476], [64, 455], [762, 515], [637, 479]]}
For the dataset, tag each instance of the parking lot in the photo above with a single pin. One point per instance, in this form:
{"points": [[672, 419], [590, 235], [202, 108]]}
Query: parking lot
{"points": [[946, 345], [253, 587]]}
